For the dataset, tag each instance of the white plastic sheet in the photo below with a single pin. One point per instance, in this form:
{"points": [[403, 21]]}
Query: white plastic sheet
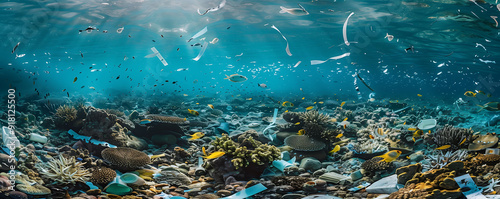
{"points": [[315, 62], [222, 4], [344, 30], [202, 31], [159, 56], [205, 45], [287, 46]]}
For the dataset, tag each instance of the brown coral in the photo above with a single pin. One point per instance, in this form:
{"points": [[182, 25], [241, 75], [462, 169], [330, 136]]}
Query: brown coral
{"points": [[166, 119], [102, 175], [375, 164], [304, 143], [125, 158]]}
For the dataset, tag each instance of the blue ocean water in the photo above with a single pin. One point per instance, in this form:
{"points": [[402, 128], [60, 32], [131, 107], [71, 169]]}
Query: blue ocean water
{"points": [[440, 49]]}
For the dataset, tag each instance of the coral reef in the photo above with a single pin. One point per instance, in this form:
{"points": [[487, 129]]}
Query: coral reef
{"points": [[64, 170], [125, 159], [292, 117], [103, 126], [407, 172], [295, 181], [449, 135], [439, 159]]}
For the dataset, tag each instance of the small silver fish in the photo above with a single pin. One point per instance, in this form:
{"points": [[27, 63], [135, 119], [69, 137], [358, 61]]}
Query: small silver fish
{"points": [[294, 11], [15, 47]]}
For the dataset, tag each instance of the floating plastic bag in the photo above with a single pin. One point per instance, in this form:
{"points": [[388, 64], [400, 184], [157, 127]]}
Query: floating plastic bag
{"points": [[287, 46], [202, 31], [159, 56], [205, 45]]}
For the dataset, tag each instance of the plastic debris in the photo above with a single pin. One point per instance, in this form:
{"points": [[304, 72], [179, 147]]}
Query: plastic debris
{"points": [[315, 62], [297, 64], [205, 45], [9, 139], [120, 30], [359, 187], [281, 164], [492, 151], [88, 139], [203, 31], [344, 30], [245, 193], [465, 182], [159, 56], [287, 46], [92, 186], [222, 4], [269, 135]]}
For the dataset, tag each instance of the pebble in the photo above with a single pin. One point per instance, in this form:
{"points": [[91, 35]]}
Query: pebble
{"points": [[223, 193], [292, 196]]}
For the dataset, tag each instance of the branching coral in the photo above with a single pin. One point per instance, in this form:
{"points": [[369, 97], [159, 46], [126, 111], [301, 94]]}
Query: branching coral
{"points": [[366, 147], [439, 159], [449, 135], [64, 170], [67, 113]]}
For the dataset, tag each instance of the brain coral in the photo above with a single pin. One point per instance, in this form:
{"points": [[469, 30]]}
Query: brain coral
{"points": [[304, 143], [102, 175], [125, 158]]}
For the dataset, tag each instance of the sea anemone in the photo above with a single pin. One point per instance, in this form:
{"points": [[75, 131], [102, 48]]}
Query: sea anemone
{"points": [[64, 170], [314, 117], [67, 113]]}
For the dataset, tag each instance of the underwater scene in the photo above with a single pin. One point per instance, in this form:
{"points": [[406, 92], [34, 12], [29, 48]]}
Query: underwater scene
{"points": [[259, 99]]}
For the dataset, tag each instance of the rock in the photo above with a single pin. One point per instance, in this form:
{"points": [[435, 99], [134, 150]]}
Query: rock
{"points": [[448, 183], [407, 172], [292, 196], [385, 185], [310, 164], [416, 157], [283, 189]]}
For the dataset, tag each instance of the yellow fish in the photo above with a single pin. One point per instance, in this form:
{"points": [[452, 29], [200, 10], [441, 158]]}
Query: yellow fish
{"points": [[214, 155], [342, 104], [286, 111], [443, 147], [404, 123], [204, 152], [287, 104], [412, 129], [320, 102], [301, 132], [462, 141], [193, 112], [390, 156], [249, 99], [371, 137], [310, 107], [211, 106], [470, 94], [339, 135], [74, 80], [419, 95], [345, 119], [335, 149], [418, 133], [197, 135], [185, 95], [157, 156], [413, 138], [303, 98], [297, 123], [314, 102], [345, 126]]}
